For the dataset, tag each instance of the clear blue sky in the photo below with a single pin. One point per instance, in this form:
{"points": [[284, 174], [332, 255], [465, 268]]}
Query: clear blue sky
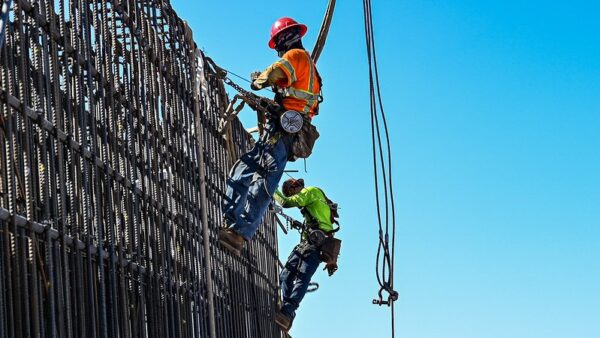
{"points": [[495, 118]]}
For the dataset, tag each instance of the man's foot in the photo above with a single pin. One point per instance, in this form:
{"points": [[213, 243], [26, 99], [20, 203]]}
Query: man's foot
{"points": [[284, 321], [232, 241]]}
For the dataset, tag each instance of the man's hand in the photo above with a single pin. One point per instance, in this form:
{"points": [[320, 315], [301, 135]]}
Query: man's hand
{"points": [[253, 77], [331, 268], [277, 197]]}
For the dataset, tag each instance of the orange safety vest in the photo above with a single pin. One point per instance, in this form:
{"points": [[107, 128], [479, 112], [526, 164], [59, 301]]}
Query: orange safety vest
{"points": [[302, 87]]}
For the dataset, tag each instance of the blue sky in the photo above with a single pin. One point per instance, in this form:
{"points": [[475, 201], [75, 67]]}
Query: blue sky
{"points": [[494, 110]]}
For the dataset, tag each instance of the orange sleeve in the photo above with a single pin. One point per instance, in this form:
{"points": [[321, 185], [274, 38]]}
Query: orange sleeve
{"points": [[288, 64]]}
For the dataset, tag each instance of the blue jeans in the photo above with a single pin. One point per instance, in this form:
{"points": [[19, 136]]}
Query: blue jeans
{"points": [[296, 275], [251, 184]]}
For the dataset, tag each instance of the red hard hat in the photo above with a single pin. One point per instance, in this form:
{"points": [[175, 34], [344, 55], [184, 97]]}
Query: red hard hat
{"points": [[282, 24]]}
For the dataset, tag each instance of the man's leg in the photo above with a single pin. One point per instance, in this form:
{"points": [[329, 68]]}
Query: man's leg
{"points": [[260, 192], [238, 182], [306, 270], [286, 279], [288, 274]]}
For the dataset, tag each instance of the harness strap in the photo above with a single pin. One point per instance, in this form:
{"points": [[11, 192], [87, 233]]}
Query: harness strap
{"points": [[311, 85], [230, 113], [273, 139]]}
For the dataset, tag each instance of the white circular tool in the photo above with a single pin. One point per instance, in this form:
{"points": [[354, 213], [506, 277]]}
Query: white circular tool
{"points": [[291, 121]]}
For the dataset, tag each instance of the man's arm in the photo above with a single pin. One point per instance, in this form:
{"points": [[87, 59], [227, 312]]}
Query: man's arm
{"points": [[301, 199], [270, 76]]}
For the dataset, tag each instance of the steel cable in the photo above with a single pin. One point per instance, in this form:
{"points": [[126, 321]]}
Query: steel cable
{"points": [[382, 169]]}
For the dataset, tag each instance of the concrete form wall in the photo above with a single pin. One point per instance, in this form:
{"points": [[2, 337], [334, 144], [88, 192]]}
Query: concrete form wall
{"points": [[106, 114]]}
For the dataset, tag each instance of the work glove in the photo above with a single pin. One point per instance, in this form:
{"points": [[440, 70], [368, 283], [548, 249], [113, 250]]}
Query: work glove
{"points": [[253, 77], [331, 268], [278, 197]]}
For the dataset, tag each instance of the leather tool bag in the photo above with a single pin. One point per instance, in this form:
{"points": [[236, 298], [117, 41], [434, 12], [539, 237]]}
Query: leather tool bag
{"points": [[330, 250], [303, 141]]}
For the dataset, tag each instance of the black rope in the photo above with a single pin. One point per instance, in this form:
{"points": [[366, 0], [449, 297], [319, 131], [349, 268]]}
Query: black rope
{"points": [[382, 169]]}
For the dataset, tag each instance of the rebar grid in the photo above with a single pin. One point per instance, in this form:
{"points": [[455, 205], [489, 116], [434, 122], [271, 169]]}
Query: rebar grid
{"points": [[106, 109]]}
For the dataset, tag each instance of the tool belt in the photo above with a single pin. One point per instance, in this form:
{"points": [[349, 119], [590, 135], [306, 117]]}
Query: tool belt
{"points": [[299, 143], [328, 246], [304, 249]]}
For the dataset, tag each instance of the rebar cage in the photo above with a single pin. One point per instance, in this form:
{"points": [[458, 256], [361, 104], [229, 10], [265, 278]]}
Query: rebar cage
{"points": [[108, 122]]}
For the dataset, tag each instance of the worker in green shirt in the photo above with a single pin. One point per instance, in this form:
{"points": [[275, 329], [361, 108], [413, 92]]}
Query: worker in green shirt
{"points": [[306, 256]]}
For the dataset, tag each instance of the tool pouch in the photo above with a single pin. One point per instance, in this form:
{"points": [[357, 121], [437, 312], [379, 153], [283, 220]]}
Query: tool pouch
{"points": [[330, 250], [303, 141], [304, 249], [316, 237]]}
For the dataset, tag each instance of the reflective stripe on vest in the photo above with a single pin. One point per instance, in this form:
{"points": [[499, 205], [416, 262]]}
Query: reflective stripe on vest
{"points": [[288, 66], [310, 98], [299, 94]]}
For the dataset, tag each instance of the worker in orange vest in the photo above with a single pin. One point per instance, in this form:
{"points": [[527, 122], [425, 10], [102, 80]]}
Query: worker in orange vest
{"points": [[255, 176]]}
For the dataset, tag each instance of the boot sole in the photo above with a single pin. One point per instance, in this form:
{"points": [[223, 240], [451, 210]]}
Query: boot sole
{"points": [[282, 326], [230, 248]]}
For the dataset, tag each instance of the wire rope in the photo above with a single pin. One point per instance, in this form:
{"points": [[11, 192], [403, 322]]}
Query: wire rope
{"points": [[382, 169]]}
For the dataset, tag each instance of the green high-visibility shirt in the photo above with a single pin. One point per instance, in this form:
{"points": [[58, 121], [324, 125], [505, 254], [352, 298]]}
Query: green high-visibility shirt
{"points": [[313, 201]]}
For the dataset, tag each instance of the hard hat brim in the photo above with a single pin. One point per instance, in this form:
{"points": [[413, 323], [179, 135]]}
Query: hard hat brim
{"points": [[303, 30]]}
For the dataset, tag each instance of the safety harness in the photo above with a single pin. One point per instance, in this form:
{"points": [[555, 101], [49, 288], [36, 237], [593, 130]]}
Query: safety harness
{"points": [[328, 245]]}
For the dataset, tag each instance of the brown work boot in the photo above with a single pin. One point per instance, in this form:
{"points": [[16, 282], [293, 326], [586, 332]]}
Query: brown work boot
{"points": [[232, 241], [284, 321]]}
